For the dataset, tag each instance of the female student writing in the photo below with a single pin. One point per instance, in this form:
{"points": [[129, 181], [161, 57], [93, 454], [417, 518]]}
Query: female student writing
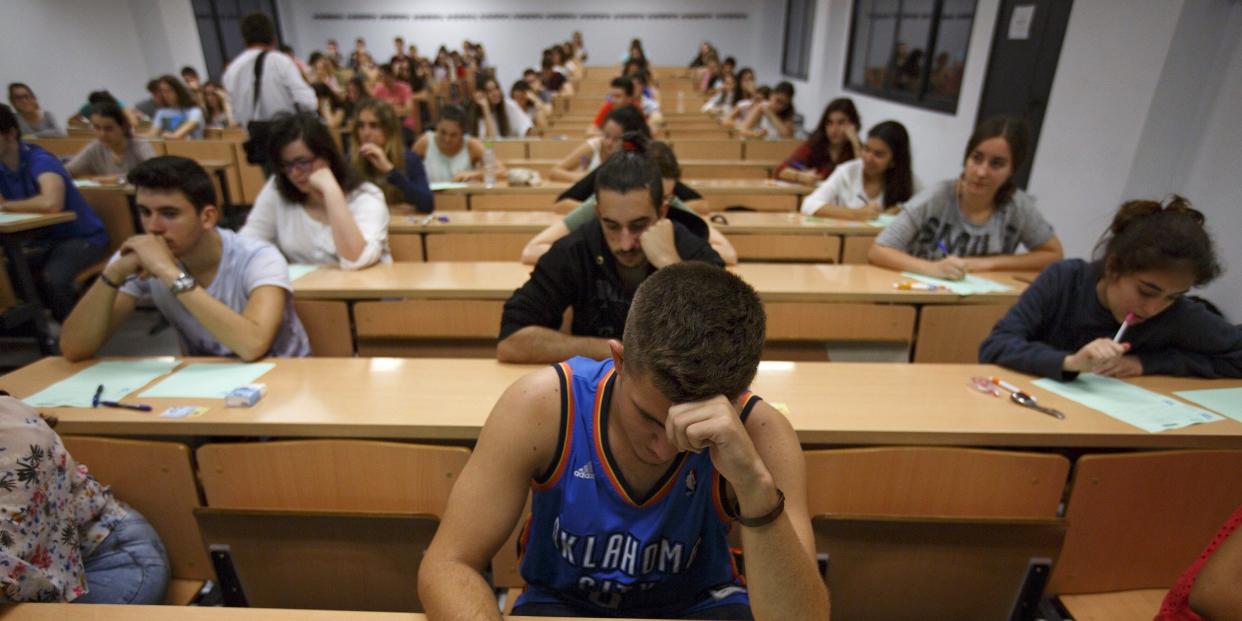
{"points": [[114, 150], [1068, 321], [312, 209], [973, 223], [861, 188], [834, 142], [448, 154], [379, 157]]}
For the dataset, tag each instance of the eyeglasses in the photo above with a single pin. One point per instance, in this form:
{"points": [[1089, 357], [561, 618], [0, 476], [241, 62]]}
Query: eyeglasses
{"points": [[302, 164]]}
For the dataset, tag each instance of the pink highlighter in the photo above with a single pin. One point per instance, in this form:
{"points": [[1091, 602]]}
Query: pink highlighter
{"points": [[1124, 325]]}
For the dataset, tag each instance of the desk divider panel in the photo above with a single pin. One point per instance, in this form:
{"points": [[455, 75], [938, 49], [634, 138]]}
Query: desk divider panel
{"points": [[953, 333], [854, 250], [822, 248], [475, 246], [816, 321]]}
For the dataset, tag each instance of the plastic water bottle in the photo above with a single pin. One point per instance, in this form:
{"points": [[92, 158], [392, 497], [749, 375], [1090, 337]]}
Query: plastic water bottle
{"points": [[681, 102], [489, 166]]}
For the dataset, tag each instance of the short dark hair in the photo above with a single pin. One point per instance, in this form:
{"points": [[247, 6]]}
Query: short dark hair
{"points": [[153, 85], [16, 85], [188, 70], [630, 169], [306, 127], [1148, 235], [624, 84], [8, 120], [630, 119], [695, 331], [173, 172], [1016, 134], [101, 97], [258, 29], [455, 114], [784, 87]]}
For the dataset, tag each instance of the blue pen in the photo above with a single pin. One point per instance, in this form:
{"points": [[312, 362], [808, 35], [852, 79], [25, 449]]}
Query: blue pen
{"points": [[943, 248]]}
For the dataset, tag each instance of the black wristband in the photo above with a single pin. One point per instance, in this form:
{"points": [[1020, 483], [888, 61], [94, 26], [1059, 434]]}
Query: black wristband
{"points": [[104, 278], [762, 520]]}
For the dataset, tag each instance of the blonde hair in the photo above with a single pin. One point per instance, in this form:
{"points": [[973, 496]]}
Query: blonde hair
{"points": [[394, 148]]}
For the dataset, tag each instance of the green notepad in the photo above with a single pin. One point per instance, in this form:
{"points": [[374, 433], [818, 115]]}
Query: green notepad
{"points": [[883, 220], [1227, 401], [119, 378], [298, 270], [447, 185], [86, 183], [7, 218], [970, 285], [1147, 410], [208, 380]]}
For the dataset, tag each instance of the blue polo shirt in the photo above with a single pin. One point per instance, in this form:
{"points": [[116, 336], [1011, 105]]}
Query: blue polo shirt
{"points": [[24, 183]]}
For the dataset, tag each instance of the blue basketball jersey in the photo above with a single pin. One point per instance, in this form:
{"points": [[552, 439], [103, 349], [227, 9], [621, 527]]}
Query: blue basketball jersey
{"points": [[591, 542]]}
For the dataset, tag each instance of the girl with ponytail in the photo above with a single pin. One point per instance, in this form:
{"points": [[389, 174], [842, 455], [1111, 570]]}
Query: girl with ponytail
{"points": [[1151, 256]]}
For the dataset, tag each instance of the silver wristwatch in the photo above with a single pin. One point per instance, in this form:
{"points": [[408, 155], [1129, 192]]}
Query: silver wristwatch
{"points": [[183, 283]]}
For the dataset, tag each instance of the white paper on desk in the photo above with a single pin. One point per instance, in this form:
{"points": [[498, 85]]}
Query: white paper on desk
{"points": [[436, 186], [1150, 411]]}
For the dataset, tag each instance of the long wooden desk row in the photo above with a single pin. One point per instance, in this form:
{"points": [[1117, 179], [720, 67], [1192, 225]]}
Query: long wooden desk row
{"points": [[454, 308], [113, 612], [449, 399], [501, 235], [721, 194], [690, 169], [685, 148]]}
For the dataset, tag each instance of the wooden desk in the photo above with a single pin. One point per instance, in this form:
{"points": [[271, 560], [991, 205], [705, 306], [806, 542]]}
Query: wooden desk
{"points": [[690, 168], [449, 399], [116, 612], [454, 308], [722, 194], [30, 307], [792, 236]]}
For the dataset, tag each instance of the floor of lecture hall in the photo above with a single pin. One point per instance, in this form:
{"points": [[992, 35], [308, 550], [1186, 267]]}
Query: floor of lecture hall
{"points": [[135, 339]]}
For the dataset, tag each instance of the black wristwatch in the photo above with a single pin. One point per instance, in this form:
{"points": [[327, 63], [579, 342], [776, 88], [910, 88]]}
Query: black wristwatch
{"points": [[183, 283]]}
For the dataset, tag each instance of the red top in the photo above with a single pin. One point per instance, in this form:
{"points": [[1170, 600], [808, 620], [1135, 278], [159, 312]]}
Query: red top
{"points": [[603, 113], [1176, 605], [800, 160]]}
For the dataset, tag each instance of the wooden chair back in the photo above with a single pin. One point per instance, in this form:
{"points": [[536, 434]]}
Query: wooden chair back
{"points": [[935, 481], [62, 147], [320, 560], [330, 475], [157, 479], [936, 568], [551, 149], [212, 150], [708, 149], [1137, 520]]}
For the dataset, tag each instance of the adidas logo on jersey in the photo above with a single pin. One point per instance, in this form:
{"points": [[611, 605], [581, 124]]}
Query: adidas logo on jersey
{"points": [[585, 472]]}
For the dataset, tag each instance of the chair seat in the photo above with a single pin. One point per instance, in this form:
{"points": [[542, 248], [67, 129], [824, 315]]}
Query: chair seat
{"points": [[1120, 605]]}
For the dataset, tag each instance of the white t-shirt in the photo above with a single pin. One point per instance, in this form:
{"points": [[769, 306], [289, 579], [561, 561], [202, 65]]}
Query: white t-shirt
{"points": [[519, 122], [845, 187], [303, 239]]}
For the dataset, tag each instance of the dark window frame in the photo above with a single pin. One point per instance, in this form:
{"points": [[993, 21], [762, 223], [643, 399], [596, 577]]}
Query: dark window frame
{"points": [[922, 98], [804, 54], [217, 33]]}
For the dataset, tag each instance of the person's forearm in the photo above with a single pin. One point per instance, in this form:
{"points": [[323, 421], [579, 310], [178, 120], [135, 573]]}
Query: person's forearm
{"points": [[537, 344], [451, 591], [34, 204], [86, 328], [418, 195], [346, 236], [560, 174], [782, 580], [721, 245], [896, 260], [184, 130], [489, 123], [234, 330]]}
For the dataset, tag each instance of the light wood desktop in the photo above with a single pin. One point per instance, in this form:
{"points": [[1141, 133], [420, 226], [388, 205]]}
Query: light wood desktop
{"points": [[721, 194], [449, 399], [115, 612]]}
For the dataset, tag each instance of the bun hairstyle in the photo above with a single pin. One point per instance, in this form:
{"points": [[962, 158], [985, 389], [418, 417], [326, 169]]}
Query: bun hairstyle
{"points": [[630, 169], [1149, 235]]}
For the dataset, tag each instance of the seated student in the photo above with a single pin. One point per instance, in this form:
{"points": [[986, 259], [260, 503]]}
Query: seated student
{"points": [[34, 181], [622, 92], [772, 119], [98, 97], [596, 268], [313, 209], [147, 108], [189, 77], [862, 188], [1065, 322], [63, 536], [397, 94], [639, 465], [448, 154], [381, 158], [244, 306], [33, 121], [595, 151], [114, 150], [743, 107], [670, 172], [493, 115], [976, 222], [834, 142], [180, 117], [1209, 588], [217, 111], [533, 107]]}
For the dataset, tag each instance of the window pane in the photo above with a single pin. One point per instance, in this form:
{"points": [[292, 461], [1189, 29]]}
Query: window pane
{"points": [[799, 19], [910, 53], [952, 41], [875, 25]]}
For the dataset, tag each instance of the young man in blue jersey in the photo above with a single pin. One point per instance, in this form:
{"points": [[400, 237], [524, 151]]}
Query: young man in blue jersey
{"points": [[638, 466]]}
